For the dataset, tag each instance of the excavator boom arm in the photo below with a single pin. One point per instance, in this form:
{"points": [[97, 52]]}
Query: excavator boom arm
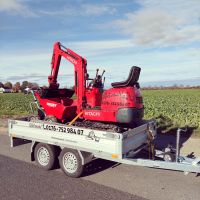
{"points": [[80, 71]]}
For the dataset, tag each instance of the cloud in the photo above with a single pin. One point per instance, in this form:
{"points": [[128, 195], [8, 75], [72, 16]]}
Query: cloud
{"points": [[94, 47], [16, 7], [10, 5], [34, 76], [83, 10], [92, 9], [161, 23], [64, 79], [115, 56], [23, 8], [89, 47]]}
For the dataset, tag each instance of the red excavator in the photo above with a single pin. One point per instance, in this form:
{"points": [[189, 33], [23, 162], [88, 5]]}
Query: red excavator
{"points": [[91, 105]]}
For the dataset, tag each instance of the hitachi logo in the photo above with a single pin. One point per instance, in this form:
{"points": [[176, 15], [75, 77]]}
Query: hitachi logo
{"points": [[71, 60], [51, 104], [95, 114]]}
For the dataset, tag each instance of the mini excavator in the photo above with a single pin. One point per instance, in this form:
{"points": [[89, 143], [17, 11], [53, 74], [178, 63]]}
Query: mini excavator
{"points": [[119, 107]]}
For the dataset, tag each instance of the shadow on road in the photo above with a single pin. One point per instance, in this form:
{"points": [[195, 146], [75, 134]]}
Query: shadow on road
{"points": [[167, 135], [97, 166], [18, 142]]}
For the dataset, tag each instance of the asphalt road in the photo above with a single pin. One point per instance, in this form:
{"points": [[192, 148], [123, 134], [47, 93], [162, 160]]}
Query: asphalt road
{"points": [[140, 182], [20, 180]]}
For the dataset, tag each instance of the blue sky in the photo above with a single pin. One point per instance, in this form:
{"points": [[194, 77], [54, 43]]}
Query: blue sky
{"points": [[162, 37]]}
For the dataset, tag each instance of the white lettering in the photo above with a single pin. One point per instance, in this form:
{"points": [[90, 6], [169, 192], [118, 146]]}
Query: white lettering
{"points": [[51, 104], [72, 60], [95, 114]]}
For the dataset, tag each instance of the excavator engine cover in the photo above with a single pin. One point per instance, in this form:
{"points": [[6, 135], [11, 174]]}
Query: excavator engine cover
{"points": [[126, 102]]}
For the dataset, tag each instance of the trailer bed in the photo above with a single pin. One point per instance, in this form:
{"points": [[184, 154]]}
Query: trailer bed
{"points": [[118, 147], [94, 141]]}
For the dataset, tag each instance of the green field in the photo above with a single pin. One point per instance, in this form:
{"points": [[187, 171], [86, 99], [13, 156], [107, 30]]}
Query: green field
{"points": [[15, 104], [171, 108]]}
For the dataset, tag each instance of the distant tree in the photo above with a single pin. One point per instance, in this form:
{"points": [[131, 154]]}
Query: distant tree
{"points": [[16, 87], [44, 86], [1, 84], [17, 84], [35, 86], [8, 85], [24, 85], [174, 86], [30, 85]]}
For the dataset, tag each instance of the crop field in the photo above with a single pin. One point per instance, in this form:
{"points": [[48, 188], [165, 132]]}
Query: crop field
{"points": [[14, 104], [171, 108]]}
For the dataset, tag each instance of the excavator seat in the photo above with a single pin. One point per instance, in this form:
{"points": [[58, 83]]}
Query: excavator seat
{"points": [[131, 80]]}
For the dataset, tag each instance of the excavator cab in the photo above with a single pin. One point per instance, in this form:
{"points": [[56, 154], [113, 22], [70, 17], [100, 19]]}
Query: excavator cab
{"points": [[121, 104], [96, 82], [94, 91]]}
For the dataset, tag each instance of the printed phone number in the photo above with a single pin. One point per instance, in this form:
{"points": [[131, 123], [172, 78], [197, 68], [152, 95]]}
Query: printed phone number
{"points": [[63, 129]]}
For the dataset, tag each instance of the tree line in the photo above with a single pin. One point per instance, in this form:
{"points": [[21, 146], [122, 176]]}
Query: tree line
{"points": [[173, 87], [17, 87]]}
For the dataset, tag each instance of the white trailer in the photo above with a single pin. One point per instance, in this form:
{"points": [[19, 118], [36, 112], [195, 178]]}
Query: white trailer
{"points": [[74, 147]]}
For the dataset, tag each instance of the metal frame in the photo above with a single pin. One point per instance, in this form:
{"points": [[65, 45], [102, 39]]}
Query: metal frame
{"points": [[37, 105], [101, 144]]}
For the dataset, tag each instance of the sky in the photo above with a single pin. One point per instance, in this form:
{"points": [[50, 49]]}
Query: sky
{"points": [[160, 36]]}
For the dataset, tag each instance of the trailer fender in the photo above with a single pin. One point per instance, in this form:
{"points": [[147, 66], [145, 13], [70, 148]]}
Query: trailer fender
{"points": [[86, 157], [33, 145]]}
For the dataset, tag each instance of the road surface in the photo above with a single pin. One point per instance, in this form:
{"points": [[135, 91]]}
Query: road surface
{"points": [[140, 182], [20, 180]]}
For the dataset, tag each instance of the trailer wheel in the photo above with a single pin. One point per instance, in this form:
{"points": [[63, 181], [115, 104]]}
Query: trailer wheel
{"points": [[70, 163], [50, 118], [169, 157], [33, 118], [45, 156]]}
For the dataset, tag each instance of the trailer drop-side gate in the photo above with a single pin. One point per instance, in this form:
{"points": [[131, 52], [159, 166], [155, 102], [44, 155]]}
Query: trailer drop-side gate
{"points": [[73, 147]]}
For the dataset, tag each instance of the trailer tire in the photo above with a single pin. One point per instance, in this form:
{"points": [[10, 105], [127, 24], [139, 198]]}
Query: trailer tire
{"points": [[70, 163], [169, 157], [50, 118], [33, 118], [45, 156]]}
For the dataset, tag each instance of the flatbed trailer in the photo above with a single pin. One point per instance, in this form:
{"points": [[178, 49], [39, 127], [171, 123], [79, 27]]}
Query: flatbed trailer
{"points": [[73, 147]]}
